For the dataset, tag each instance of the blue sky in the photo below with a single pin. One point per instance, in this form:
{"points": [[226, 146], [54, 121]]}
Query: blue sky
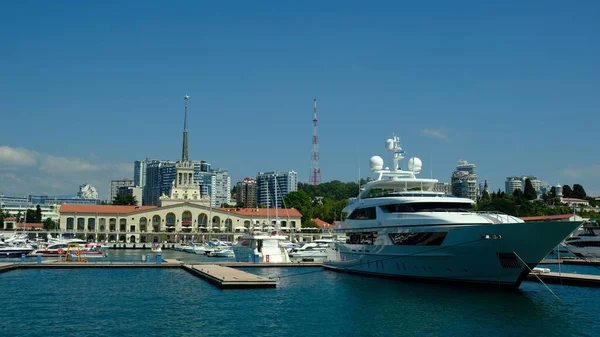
{"points": [[87, 87]]}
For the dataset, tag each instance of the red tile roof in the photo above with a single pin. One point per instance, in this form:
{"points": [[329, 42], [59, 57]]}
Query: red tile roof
{"points": [[10, 219], [31, 225], [322, 223], [575, 200], [547, 217], [263, 212], [102, 209], [118, 209]]}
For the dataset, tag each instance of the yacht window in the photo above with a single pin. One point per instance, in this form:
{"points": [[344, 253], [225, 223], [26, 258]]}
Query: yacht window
{"points": [[418, 239], [428, 207], [365, 238], [367, 213], [379, 192]]}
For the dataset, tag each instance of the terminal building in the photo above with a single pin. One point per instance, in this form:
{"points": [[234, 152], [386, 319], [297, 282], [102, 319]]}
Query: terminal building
{"points": [[181, 214], [146, 224]]}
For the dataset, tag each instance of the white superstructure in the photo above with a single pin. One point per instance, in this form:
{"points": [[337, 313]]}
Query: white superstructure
{"points": [[398, 226]]}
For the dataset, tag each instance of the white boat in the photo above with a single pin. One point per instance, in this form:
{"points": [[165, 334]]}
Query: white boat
{"points": [[221, 252], [584, 245], [261, 247], [309, 250], [399, 227], [156, 249], [89, 250], [15, 250]]}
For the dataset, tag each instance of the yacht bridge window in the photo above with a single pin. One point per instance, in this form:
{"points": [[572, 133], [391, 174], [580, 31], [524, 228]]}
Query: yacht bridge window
{"points": [[427, 207], [367, 213]]}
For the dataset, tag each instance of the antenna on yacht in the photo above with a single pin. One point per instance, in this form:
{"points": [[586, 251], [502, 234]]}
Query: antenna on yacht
{"points": [[431, 165], [358, 161], [393, 145], [276, 208]]}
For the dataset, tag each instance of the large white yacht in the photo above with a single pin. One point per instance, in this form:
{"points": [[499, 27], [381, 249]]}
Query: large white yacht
{"points": [[399, 227]]}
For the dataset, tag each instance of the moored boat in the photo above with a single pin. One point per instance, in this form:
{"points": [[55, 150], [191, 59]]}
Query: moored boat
{"points": [[399, 227], [261, 247]]}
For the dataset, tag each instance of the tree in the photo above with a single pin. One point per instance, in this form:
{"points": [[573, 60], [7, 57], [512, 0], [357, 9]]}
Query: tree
{"points": [[30, 216], [567, 191], [529, 193], [552, 193], [300, 201], [518, 194], [38, 214], [49, 224], [578, 192], [125, 200]]}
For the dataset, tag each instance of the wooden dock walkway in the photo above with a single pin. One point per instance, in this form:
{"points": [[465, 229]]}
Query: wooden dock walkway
{"points": [[229, 278], [582, 280], [221, 274], [581, 262]]}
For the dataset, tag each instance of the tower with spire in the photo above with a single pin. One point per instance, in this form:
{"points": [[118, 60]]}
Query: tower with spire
{"points": [[184, 151], [183, 188]]}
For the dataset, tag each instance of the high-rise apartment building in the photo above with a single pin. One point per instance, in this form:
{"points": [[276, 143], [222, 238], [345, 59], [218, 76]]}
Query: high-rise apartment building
{"points": [[204, 177], [267, 183], [159, 176], [134, 191], [115, 184], [221, 187], [139, 173], [464, 180], [443, 187], [246, 192], [513, 183]]}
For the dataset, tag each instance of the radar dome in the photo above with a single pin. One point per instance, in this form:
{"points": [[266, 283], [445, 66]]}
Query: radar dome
{"points": [[376, 163], [415, 164]]}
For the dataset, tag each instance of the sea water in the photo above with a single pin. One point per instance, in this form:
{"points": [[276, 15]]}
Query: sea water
{"points": [[306, 302]]}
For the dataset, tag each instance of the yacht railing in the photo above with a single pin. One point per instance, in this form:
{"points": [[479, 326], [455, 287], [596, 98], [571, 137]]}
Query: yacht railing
{"points": [[499, 215]]}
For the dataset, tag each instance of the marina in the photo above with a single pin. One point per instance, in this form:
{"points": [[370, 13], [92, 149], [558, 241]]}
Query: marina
{"points": [[122, 303], [225, 275]]}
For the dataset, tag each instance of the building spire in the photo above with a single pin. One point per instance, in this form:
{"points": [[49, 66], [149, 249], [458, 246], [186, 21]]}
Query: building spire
{"points": [[184, 151]]}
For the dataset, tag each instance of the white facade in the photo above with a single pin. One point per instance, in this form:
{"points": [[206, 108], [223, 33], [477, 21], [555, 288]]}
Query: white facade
{"points": [[134, 191], [464, 180], [139, 173], [442, 187], [171, 223], [87, 191], [513, 183], [48, 210], [115, 184], [184, 187], [221, 188]]}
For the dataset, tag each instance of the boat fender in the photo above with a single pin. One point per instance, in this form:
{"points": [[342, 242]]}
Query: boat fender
{"points": [[60, 250]]}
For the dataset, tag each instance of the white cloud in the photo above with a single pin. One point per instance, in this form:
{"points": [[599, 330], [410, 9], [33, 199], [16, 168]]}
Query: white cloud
{"points": [[54, 164], [11, 157], [12, 177], [582, 171], [439, 133], [30, 172]]}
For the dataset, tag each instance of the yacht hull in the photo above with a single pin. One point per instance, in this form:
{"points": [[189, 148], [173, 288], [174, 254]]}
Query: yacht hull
{"points": [[489, 254]]}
